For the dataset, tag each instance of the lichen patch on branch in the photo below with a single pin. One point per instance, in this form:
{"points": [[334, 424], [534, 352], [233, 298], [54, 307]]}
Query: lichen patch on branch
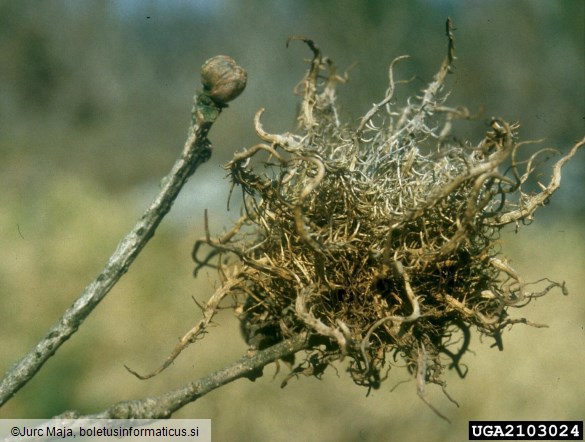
{"points": [[379, 240]]}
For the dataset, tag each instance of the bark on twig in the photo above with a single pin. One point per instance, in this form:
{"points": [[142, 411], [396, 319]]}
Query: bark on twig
{"points": [[164, 406], [197, 150]]}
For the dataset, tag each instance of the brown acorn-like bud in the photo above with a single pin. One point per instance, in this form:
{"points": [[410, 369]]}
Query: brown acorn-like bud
{"points": [[223, 80]]}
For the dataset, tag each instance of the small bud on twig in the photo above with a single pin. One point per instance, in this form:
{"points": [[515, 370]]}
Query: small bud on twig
{"points": [[223, 80]]}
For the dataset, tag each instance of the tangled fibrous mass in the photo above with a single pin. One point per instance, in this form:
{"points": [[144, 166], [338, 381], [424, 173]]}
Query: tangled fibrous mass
{"points": [[379, 241]]}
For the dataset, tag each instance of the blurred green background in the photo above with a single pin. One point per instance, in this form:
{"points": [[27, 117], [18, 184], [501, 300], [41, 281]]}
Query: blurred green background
{"points": [[94, 107]]}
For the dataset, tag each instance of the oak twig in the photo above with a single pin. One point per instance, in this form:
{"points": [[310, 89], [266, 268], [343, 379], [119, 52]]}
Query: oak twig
{"points": [[165, 405], [197, 150]]}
